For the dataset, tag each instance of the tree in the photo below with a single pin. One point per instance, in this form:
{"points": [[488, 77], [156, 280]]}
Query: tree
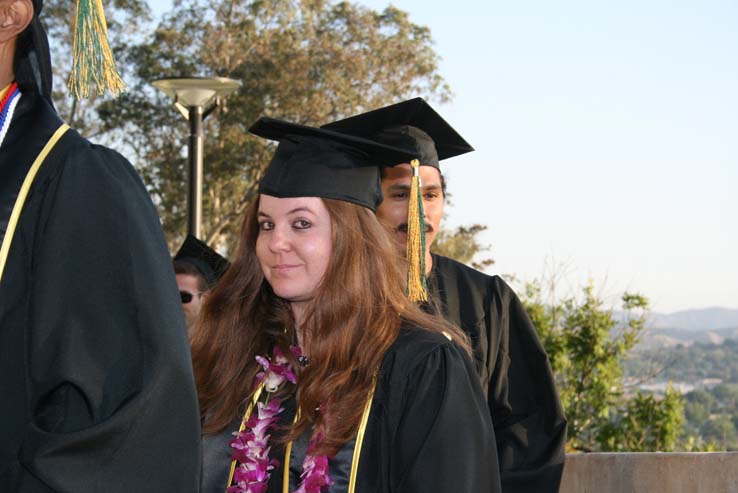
{"points": [[721, 430], [309, 62], [645, 424], [698, 406], [586, 346]]}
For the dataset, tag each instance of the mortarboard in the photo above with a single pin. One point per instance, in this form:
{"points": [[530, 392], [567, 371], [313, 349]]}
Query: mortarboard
{"points": [[412, 125], [415, 126], [210, 264], [313, 162]]}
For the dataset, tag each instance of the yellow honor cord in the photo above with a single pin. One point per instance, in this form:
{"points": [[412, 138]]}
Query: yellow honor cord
{"points": [[23, 193], [286, 471], [287, 454], [93, 66], [360, 437], [4, 90], [416, 288]]}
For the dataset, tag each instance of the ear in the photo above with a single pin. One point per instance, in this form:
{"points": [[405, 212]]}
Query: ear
{"points": [[15, 15]]}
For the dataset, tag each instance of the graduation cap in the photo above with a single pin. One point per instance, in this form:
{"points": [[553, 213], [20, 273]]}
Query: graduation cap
{"points": [[206, 260], [92, 67], [415, 126], [313, 162], [412, 125]]}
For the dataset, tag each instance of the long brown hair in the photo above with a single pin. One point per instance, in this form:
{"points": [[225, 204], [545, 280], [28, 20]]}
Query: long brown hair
{"points": [[352, 321]]}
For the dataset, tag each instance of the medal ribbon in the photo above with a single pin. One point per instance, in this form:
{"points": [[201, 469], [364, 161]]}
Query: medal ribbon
{"points": [[8, 101]]}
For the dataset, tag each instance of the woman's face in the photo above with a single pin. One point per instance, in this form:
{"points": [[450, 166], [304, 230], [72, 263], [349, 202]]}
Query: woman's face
{"points": [[294, 245]]}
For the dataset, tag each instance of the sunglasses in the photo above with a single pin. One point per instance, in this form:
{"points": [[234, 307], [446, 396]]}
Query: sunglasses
{"points": [[185, 297]]}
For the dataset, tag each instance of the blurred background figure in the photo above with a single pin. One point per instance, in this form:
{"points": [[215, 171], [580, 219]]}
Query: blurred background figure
{"points": [[197, 267]]}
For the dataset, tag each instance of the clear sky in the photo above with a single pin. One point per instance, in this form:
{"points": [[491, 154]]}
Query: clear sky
{"points": [[606, 138]]}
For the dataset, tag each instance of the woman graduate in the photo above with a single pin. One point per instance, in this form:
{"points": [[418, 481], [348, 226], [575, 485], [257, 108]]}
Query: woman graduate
{"points": [[310, 351]]}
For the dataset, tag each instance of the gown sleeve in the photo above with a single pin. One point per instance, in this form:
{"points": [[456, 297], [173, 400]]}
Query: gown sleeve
{"points": [[530, 426], [112, 400], [444, 440]]}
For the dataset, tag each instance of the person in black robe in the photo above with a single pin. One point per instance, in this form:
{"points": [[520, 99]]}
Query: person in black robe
{"points": [[424, 424], [95, 372], [516, 376]]}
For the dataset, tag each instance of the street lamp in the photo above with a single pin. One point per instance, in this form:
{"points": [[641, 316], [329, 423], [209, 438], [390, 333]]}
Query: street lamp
{"points": [[196, 98]]}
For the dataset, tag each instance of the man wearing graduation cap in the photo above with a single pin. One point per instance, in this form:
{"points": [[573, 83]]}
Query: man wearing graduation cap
{"points": [[197, 268], [95, 378], [530, 428]]}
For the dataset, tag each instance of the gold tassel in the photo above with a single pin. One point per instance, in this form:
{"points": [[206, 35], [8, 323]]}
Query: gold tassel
{"points": [[93, 67], [416, 286]]}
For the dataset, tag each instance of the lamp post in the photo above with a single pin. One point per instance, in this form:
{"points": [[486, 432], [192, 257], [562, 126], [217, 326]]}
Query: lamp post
{"points": [[196, 98]]}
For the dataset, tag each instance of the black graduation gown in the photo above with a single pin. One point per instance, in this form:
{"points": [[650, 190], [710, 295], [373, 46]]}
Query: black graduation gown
{"points": [[516, 376], [95, 373], [428, 429]]}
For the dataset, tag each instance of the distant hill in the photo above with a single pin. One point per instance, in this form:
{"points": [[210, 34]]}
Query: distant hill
{"points": [[660, 338], [695, 320], [707, 325]]}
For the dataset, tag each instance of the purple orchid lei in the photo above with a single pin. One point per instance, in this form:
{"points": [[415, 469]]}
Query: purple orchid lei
{"points": [[314, 475], [251, 446]]}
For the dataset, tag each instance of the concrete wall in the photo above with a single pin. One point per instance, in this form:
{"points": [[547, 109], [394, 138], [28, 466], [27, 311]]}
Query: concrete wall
{"points": [[651, 473]]}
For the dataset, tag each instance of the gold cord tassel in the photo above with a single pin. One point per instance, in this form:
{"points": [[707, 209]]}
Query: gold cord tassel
{"points": [[93, 68], [416, 286]]}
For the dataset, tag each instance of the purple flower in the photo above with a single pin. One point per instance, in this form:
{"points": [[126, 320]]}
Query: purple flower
{"points": [[251, 449], [315, 470], [277, 370]]}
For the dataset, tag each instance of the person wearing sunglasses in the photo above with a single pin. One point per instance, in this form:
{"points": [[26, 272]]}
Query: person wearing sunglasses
{"points": [[197, 267]]}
